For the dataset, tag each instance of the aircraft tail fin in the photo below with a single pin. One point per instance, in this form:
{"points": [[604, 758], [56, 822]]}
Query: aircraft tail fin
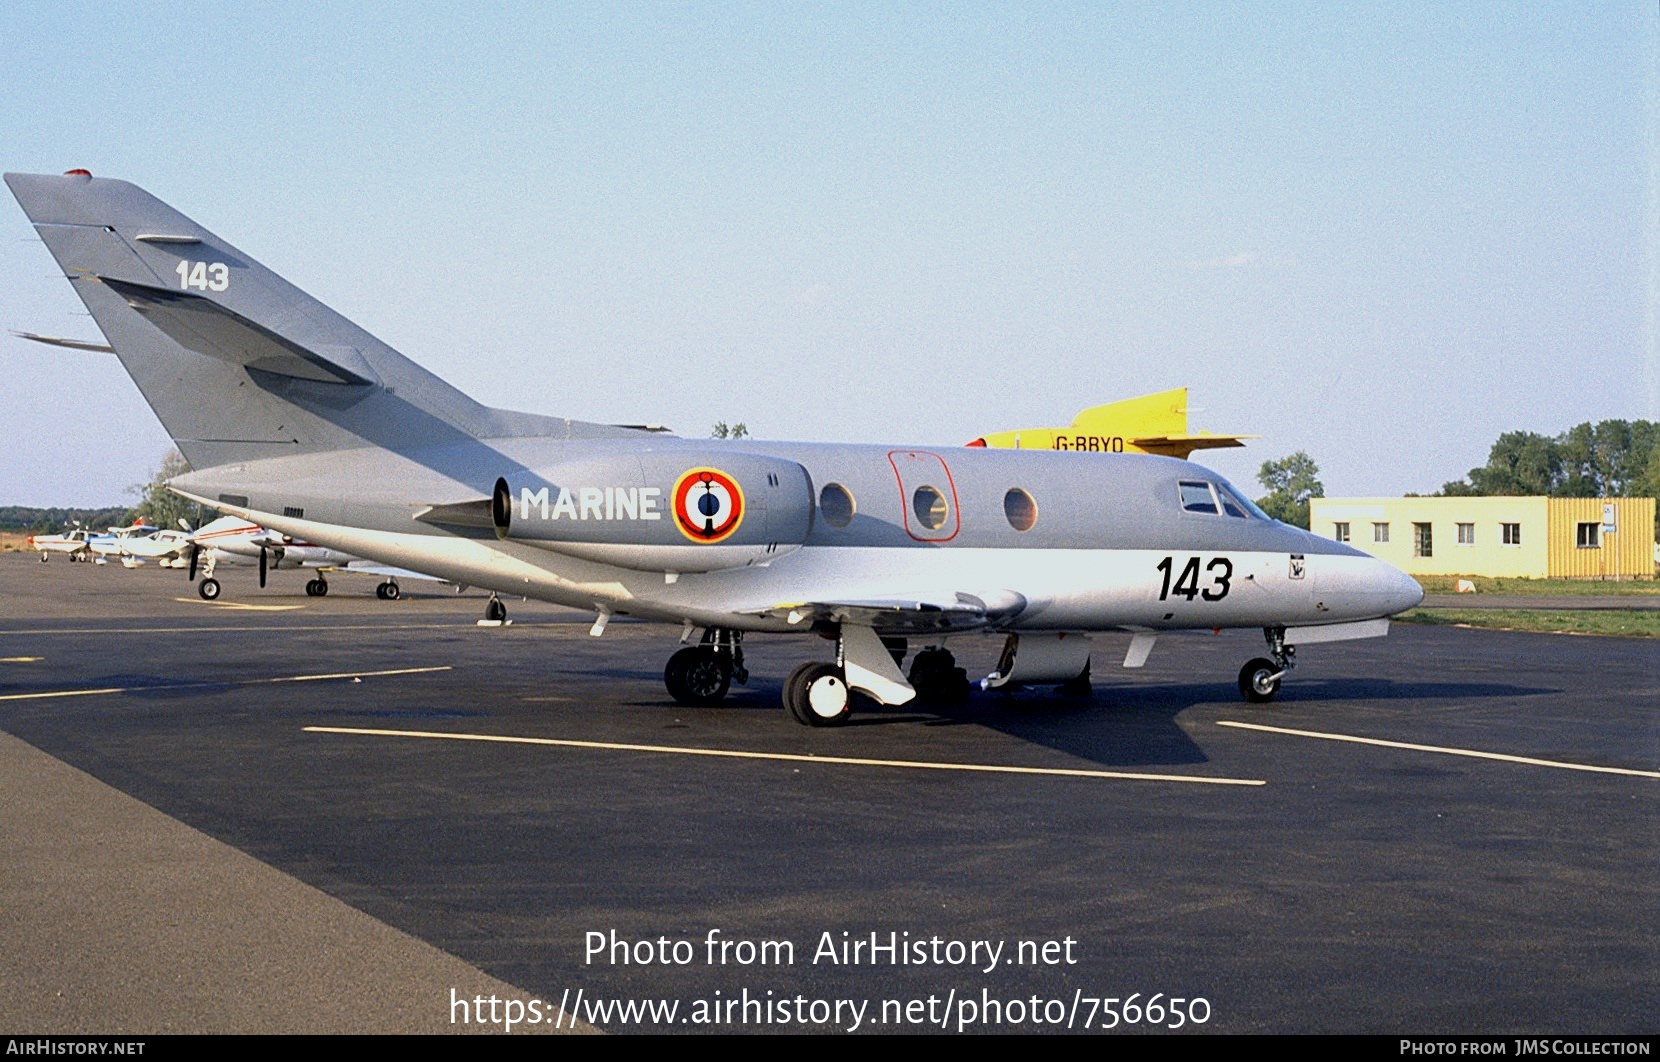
{"points": [[238, 363]]}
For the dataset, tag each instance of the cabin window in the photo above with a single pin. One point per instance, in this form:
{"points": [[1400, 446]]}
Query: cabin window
{"points": [[1466, 534], [1340, 531], [836, 504], [1380, 532], [1196, 498], [1590, 536], [1423, 541], [1021, 510], [1510, 534], [930, 507]]}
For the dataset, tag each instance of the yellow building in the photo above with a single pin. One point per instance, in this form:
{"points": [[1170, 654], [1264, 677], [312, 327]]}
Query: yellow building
{"points": [[1536, 538]]}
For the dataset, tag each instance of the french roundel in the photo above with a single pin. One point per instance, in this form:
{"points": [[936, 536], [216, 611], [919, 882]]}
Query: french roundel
{"points": [[708, 505]]}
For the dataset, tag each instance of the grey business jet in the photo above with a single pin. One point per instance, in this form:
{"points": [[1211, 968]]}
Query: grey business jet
{"points": [[296, 419]]}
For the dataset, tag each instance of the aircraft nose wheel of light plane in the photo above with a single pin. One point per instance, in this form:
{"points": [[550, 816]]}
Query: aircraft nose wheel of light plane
{"points": [[388, 591], [316, 588], [208, 589], [817, 694]]}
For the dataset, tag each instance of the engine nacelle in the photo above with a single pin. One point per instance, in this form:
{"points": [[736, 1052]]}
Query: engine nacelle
{"points": [[660, 510]]}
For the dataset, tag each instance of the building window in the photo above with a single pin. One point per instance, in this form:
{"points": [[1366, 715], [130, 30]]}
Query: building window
{"points": [[1340, 531], [1466, 534], [1423, 545], [1510, 534], [1380, 532], [1590, 536]]}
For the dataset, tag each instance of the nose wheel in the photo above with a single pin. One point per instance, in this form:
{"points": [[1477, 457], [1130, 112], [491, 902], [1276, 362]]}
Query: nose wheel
{"points": [[1259, 679]]}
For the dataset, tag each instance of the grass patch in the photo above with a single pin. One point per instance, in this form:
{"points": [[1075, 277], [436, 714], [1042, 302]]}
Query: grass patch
{"points": [[14, 541], [1448, 584], [1611, 622]]}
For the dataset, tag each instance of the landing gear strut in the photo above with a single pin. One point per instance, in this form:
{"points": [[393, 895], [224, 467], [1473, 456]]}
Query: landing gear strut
{"points": [[701, 674], [1259, 679]]}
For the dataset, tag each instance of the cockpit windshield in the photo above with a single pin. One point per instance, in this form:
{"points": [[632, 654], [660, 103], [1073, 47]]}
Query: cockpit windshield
{"points": [[1217, 498]]}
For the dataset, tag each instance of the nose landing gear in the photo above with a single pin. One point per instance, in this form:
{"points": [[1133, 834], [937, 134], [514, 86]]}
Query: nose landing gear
{"points": [[1259, 679]]}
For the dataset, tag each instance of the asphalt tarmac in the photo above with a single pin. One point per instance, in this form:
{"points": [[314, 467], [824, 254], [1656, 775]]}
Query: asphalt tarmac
{"points": [[282, 813]]}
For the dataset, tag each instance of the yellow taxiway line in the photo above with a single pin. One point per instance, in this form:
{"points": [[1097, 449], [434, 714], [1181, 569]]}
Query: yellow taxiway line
{"points": [[788, 757], [1473, 753], [210, 682]]}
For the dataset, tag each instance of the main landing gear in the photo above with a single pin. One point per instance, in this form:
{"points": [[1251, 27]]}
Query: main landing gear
{"points": [[1259, 679], [317, 587], [818, 693], [388, 591], [701, 674]]}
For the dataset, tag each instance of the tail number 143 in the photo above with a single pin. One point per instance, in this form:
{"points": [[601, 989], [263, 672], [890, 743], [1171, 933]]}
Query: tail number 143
{"points": [[203, 276], [1218, 573]]}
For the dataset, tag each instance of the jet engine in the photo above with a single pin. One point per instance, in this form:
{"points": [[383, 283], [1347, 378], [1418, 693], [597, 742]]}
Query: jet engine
{"points": [[660, 510]]}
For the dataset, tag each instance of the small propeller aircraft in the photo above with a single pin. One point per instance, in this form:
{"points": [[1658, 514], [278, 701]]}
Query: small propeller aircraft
{"points": [[295, 419], [231, 540], [76, 544]]}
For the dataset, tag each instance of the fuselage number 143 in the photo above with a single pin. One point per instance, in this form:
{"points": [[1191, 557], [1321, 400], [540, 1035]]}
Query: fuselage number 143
{"points": [[1218, 573]]}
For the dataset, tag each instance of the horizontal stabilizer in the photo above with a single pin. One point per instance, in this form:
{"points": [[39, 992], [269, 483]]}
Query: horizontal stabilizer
{"points": [[202, 325], [60, 341]]}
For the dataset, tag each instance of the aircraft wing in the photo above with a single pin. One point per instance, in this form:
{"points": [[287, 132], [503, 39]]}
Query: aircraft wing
{"points": [[385, 571], [1179, 444], [931, 614]]}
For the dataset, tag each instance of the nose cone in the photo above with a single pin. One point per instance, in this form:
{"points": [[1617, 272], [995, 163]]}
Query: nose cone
{"points": [[1360, 587], [1401, 590]]}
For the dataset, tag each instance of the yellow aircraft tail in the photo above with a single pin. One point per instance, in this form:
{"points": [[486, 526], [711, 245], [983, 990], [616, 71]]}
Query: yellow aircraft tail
{"points": [[1150, 424]]}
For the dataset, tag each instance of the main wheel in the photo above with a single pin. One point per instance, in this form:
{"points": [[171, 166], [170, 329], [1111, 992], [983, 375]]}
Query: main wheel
{"points": [[495, 611], [817, 694], [208, 589], [1259, 680], [387, 591], [698, 675], [937, 679]]}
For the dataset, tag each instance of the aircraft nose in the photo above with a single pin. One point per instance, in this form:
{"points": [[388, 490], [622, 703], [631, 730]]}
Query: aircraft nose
{"points": [[1362, 587], [1399, 590]]}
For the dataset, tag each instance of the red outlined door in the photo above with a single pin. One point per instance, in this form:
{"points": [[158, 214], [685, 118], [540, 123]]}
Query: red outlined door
{"points": [[927, 494]]}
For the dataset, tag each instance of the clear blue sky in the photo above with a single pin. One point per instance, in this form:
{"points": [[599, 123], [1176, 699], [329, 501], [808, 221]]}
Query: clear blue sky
{"points": [[1380, 233]]}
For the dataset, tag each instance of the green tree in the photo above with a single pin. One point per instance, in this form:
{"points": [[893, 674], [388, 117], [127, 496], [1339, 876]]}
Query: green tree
{"points": [[160, 507], [1291, 482], [1608, 459], [724, 430]]}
